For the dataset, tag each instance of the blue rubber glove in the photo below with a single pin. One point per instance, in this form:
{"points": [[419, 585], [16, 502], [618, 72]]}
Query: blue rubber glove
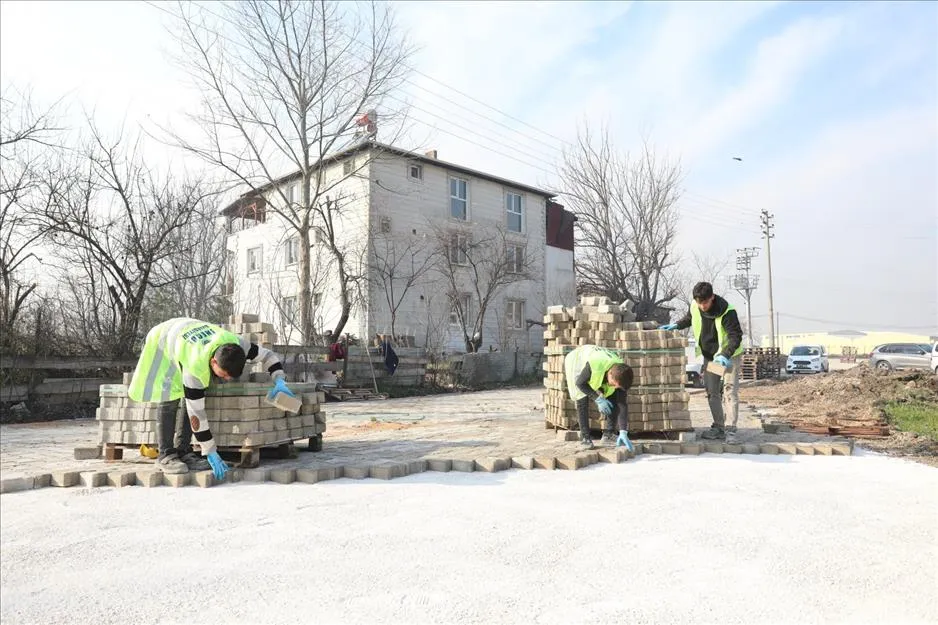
{"points": [[669, 326], [604, 405], [723, 360], [624, 440], [279, 387], [219, 468]]}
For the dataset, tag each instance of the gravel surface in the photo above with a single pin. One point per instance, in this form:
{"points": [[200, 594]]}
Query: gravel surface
{"points": [[665, 539]]}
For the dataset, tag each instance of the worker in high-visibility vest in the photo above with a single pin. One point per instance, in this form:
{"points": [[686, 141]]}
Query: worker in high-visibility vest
{"points": [[598, 374], [179, 359], [719, 339]]}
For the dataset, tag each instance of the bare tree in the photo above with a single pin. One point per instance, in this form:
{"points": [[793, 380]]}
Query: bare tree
{"points": [[475, 268], [399, 262], [626, 217], [112, 222], [700, 268], [285, 85], [28, 137]]}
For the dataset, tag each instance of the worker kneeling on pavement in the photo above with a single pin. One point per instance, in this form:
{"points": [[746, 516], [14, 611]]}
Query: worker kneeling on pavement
{"points": [[178, 360], [720, 339], [598, 374]]}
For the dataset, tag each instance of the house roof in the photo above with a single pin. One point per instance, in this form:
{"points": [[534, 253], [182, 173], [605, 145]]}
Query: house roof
{"points": [[415, 156]]}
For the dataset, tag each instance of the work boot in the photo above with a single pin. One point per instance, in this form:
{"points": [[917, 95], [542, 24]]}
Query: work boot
{"points": [[714, 433], [586, 441], [171, 465], [609, 438], [195, 462]]}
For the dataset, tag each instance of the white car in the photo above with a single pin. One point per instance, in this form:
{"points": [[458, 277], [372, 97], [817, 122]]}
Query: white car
{"points": [[807, 359], [934, 358]]}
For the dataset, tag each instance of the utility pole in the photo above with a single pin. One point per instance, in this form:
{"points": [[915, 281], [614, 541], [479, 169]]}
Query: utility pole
{"points": [[767, 227], [744, 282]]}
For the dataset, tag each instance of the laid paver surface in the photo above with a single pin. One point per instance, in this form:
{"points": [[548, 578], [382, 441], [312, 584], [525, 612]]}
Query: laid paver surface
{"points": [[501, 423]]}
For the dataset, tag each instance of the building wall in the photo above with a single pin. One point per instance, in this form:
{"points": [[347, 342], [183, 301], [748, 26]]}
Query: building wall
{"points": [[419, 211], [382, 196], [864, 344]]}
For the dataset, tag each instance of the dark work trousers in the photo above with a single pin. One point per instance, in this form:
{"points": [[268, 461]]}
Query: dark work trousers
{"points": [[714, 385], [620, 412], [166, 426]]}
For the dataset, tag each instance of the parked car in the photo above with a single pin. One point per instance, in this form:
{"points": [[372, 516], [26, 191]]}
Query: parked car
{"points": [[807, 359], [934, 358], [892, 356]]}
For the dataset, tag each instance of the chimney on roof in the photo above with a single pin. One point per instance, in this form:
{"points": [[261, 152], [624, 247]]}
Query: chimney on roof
{"points": [[430, 154]]}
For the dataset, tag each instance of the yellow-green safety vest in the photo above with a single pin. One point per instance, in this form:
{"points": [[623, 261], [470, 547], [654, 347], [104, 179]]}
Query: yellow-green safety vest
{"points": [[696, 322], [600, 361], [177, 353]]}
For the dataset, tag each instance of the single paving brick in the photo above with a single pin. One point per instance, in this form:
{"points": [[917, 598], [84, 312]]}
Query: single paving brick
{"points": [[87, 453], [671, 448], [492, 465], [464, 466], [357, 472], [804, 449], [609, 455], [416, 466], [65, 479], [842, 449], [823, 449], [177, 480], [714, 448], [16, 484], [545, 462], [388, 471], [204, 479], [119, 479], [568, 435], [651, 448], [283, 476], [255, 475], [44, 480], [691, 449], [787, 448], [440, 464], [732, 448], [752, 448], [768, 448], [572, 463], [522, 462], [149, 479], [93, 479]]}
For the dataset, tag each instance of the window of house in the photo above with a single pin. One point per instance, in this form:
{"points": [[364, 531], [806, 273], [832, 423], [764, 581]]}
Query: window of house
{"points": [[516, 259], [385, 225], [255, 260], [459, 198], [515, 314], [348, 166], [415, 171], [288, 308], [458, 249], [291, 251], [460, 302], [514, 203], [291, 193]]}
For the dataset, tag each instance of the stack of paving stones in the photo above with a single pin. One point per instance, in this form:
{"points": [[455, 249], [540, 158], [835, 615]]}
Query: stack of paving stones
{"points": [[391, 470], [238, 412], [657, 399], [239, 415]]}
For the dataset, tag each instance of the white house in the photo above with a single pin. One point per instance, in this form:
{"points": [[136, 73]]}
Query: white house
{"points": [[395, 208]]}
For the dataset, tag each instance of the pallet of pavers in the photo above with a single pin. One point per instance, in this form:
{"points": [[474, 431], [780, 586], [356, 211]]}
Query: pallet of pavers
{"points": [[657, 400], [242, 421]]}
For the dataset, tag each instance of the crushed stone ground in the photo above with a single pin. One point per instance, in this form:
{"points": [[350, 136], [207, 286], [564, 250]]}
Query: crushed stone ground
{"points": [[666, 539]]}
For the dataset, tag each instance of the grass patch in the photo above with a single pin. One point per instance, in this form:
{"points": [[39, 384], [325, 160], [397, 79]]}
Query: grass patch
{"points": [[919, 418]]}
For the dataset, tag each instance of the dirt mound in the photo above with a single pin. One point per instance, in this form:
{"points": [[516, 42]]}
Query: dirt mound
{"points": [[849, 397]]}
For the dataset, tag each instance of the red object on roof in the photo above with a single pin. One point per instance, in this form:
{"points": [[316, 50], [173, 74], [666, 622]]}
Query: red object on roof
{"points": [[559, 226]]}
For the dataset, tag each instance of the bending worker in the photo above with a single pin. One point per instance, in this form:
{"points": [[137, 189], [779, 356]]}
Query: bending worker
{"points": [[178, 361], [720, 339], [597, 374]]}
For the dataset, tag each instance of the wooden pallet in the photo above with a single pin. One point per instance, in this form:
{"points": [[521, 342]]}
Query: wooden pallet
{"points": [[241, 457], [351, 394]]}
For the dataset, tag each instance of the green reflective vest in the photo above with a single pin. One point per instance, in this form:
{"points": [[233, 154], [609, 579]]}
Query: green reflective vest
{"points": [[696, 322], [177, 353], [600, 361]]}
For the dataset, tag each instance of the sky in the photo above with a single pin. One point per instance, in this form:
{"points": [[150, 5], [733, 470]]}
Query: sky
{"points": [[832, 107]]}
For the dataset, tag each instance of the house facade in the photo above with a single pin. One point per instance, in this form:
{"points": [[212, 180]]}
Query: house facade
{"points": [[423, 238]]}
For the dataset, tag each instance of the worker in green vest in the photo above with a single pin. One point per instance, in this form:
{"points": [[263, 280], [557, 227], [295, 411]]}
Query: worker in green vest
{"points": [[598, 374], [179, 359], [720, 339]]}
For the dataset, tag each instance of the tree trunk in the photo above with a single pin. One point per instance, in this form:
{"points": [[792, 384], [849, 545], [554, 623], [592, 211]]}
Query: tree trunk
{"points": [[306, 312], [343, 295]]}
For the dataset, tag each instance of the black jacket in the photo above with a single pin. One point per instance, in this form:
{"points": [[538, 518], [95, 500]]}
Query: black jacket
{"points": [[708, 341]]}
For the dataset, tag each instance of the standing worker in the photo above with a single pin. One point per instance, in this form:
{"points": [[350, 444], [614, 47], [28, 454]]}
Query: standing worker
{"points": [[597, 374], [178, 360], [720, 339]]}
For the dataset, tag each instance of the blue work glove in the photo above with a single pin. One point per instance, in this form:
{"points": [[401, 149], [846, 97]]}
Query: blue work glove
{"points": [[279, 387], [624, 440], [723, 360], [669, 326], [219, 468], [604, 405]]}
